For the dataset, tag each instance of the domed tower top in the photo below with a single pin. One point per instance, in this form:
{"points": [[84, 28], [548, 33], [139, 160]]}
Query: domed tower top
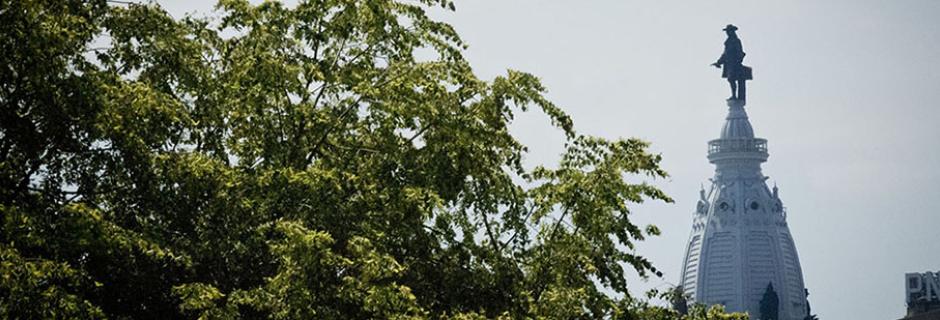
{"points": [[737, 148], [740, 246], [740, 242], [737, 125]]}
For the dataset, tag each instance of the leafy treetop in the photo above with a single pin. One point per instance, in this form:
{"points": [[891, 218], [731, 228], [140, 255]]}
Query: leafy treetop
{"points": [[295, 162]]}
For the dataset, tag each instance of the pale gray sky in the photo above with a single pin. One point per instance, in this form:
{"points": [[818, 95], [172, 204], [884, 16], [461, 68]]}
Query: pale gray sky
{"points": [[845, 91]]}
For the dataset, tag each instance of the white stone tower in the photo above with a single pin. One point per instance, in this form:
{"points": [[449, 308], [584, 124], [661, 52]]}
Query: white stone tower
{"points": [[740, 241]]}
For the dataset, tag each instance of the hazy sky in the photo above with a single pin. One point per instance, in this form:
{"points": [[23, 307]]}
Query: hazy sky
{"points": [[846, 92]]}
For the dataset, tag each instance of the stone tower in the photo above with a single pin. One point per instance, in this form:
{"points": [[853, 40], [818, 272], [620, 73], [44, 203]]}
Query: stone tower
{"points": [[740, 241]]}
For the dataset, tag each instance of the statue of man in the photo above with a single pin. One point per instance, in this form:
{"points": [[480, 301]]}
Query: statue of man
{"points": [[733, 70]]}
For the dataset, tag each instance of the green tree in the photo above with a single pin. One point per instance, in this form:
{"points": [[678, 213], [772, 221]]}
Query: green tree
{"points": [[643, 309], [677, 298], [295, 162]]}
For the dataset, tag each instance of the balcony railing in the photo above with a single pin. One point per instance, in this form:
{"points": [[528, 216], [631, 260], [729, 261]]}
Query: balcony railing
{"points": [[737, 145]]}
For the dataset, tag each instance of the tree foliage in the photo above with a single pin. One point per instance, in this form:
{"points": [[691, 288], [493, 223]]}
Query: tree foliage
{"points": [[334, 159]]}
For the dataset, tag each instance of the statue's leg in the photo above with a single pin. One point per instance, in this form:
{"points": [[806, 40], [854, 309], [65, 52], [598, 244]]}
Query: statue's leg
{"points": [[734, 89], [742, 89]]}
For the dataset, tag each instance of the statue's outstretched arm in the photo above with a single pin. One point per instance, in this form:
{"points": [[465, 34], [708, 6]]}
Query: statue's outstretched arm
{"points": [[720, 61]]}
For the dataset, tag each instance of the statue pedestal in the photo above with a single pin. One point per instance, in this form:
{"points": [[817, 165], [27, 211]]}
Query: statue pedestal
{"points": [[736, 103]]}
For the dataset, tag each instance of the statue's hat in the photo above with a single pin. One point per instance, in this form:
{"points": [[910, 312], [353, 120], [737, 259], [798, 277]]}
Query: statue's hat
{"points": [[730, 27]]}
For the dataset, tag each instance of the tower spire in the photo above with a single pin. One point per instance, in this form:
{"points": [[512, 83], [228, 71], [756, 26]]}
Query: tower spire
{"points": [[740, 240], [740, 243]]}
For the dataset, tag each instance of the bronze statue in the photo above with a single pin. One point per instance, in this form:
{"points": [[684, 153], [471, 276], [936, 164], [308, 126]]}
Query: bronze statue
{"points": [[733, 70]]}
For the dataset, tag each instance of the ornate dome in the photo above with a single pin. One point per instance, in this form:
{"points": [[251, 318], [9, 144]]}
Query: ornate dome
{"points": [[740, 242], [737, 125]]}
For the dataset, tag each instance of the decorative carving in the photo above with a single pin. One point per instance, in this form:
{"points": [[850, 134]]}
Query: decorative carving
{"points": [[702, 206]]}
